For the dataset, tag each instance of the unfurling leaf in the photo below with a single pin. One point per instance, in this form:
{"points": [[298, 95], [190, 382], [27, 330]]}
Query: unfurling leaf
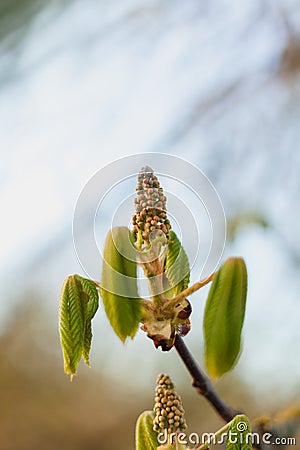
{"points": [[119, 284], [239, 434], [145, 436], [71, 323], [92, 306], [177, 268], [78, 305], [224, 317]]}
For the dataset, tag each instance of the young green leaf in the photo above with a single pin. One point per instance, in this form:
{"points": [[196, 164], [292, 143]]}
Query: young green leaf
{"points": [[92, 299], [239, 434], [119, 284], [224, 317], [71, 323], [145, 436], [177, 268], [78, 305]]}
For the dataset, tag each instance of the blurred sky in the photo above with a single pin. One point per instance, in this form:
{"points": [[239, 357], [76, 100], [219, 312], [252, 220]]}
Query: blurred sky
{"points": [[215, 82]]}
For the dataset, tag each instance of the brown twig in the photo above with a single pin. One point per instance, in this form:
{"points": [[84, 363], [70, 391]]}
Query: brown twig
{"points": [[202, 383], [204, 387]]}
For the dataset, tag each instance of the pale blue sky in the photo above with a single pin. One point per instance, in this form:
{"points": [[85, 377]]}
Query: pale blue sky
{"points": [[103, 80]]}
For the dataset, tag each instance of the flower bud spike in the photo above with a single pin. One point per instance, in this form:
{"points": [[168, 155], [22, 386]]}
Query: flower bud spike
{"points": [[169, 413], [150, 205]]}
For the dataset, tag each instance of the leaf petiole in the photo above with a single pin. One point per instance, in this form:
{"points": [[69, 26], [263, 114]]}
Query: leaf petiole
{"points": [[190, 290]]}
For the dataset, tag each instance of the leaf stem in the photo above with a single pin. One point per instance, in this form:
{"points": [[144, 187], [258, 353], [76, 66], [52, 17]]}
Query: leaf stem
{"points": [[191, 289], [202, 383], [212, 440], [156, 289]]}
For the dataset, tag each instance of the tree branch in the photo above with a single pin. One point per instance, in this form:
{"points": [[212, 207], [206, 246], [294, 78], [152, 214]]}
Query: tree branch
{"points": [[202, 383], [204, 387]]}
